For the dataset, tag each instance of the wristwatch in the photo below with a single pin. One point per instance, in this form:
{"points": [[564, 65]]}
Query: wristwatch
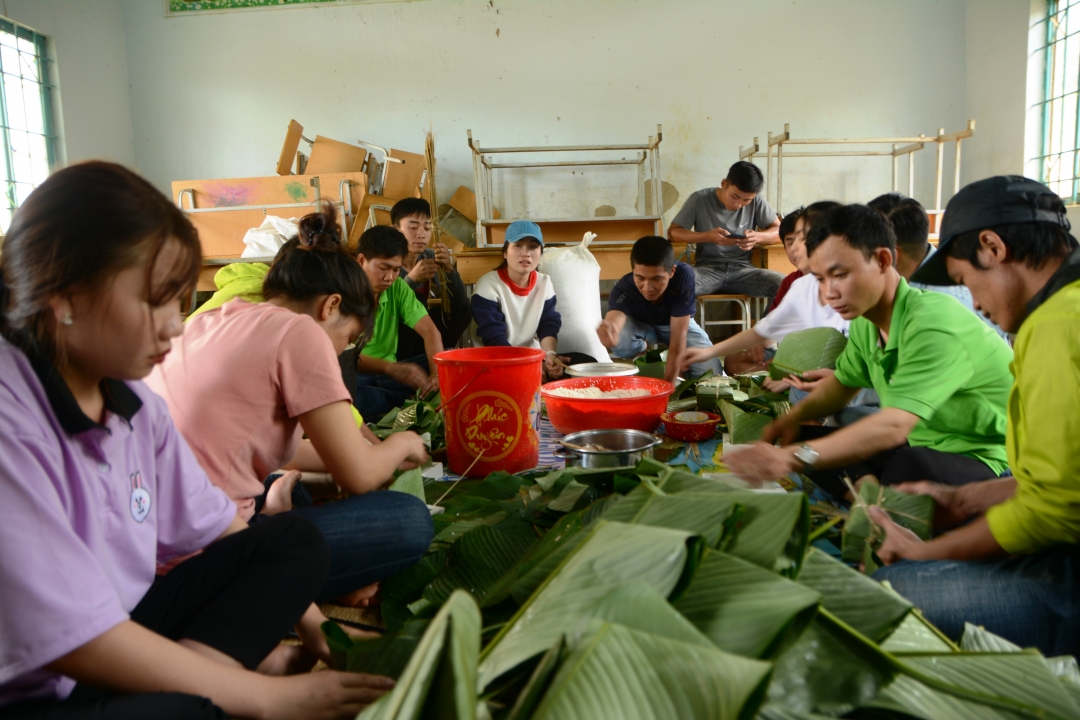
{"points": [[807, 455]]}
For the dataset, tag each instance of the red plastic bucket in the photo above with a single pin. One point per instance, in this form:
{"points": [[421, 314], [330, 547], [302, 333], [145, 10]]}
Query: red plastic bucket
{"points": [[492, 408]]}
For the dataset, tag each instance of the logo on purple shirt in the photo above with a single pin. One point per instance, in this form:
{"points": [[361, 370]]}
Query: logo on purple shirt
{"points": [[140, 499]]}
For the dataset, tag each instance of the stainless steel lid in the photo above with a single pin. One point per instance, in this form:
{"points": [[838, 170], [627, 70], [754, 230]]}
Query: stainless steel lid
{"points": [[598, 369]]}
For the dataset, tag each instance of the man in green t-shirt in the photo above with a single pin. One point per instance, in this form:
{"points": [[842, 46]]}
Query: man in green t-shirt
{"points": [[383, 382], [1007, 239], [941, 373]]}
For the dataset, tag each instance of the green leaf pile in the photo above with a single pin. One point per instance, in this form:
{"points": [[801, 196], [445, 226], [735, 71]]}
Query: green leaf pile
{"points": [[650, 592]]}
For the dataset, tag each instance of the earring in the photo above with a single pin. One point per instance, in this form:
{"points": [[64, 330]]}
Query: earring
{"points": [[67, 318]]}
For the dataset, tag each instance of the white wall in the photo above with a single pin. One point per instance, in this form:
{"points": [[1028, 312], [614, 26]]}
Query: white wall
{"points": [[94, 112], [211, 95], [996, 86]]}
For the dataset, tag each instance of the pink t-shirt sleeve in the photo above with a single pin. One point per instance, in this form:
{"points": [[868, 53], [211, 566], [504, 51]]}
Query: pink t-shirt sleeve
{"points": [[196, 513], [308, 373]]}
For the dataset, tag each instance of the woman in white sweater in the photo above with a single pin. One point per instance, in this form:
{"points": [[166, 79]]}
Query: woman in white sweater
{"points": [[515, 305]]}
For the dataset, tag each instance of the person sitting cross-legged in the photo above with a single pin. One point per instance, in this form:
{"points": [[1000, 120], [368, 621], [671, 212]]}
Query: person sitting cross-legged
{"points": [[1012, 561]]}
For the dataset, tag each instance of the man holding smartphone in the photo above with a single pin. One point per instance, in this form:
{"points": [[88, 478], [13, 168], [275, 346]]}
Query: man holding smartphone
{"points": [[726, 223]]}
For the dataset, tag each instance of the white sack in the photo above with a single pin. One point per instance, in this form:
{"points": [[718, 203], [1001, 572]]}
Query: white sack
{"points": [[267, 239], [575, 275]]}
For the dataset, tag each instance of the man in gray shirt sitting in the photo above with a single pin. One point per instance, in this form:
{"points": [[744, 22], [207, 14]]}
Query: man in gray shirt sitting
{"points": [[726, 223]]}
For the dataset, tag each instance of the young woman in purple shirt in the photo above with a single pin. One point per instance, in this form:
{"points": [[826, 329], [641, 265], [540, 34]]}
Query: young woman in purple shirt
{"points": [[97, 487]]}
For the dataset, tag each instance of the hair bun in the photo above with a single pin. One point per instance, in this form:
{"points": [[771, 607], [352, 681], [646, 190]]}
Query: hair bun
{"points": [[320, 230]]}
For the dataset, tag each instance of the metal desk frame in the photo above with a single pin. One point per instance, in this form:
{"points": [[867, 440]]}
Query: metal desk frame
{"points": [[646, 154], [901, 146]]}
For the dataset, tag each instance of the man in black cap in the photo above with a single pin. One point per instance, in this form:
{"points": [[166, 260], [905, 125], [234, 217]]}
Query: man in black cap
{"points": [[1007, 239]]}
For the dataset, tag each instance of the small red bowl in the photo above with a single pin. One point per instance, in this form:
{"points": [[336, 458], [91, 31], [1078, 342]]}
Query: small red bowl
{"points": [[569, 415], [690, 431]]}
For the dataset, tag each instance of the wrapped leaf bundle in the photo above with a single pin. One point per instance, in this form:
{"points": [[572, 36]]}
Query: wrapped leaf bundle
{"points": [[711, 391], [744, 425], [805, 350], [862, 537]]}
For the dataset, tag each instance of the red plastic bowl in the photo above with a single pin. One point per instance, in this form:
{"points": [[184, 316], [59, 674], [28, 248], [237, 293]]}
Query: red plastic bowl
{"points": [[569, 415], [690, 432]]}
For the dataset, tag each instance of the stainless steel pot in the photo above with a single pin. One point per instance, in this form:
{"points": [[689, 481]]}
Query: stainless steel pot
{"points": [[621, 448]]}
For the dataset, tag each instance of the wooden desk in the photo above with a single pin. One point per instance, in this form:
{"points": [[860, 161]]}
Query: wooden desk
{"points": [[472, 263]]}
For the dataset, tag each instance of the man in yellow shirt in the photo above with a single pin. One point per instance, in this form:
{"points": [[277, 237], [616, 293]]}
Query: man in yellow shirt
{"points": [[1013, 565]]}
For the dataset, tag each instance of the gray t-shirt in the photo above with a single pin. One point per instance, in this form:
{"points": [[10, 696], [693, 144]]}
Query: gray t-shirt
{"points": [[703, 211]]}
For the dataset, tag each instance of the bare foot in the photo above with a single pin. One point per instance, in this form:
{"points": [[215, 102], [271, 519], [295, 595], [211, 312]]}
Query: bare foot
{"points": [[364, 597], [287, 660], [279, 496]]}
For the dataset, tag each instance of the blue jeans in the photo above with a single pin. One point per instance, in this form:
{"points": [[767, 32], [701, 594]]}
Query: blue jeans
{"points": [[865, 403], [636, 337], [371, 536], [377, 394], [1030, 600], [714, 276]]}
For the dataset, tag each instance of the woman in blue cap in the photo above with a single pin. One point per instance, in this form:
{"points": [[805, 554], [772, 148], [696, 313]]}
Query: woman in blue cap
{"points": [[515, 305]]}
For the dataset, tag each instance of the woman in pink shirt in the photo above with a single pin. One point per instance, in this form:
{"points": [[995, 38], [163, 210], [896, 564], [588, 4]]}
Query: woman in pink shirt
{"points": [[246, 383], [97, 487]]}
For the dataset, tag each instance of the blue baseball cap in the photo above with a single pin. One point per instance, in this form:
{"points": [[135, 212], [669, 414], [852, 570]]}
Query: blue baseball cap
{"points": [[1000, 200], [521, 229]]}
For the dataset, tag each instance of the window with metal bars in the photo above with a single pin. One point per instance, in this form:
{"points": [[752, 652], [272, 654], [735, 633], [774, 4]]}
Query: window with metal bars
{"points": [[26, 115], [1059, 163]]}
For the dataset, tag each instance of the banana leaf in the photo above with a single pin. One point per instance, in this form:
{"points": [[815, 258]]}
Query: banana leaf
{"points": [[698, 514], [743, 427], [538, 683], [652, 364], [745, 609], [386, 655], [915, 634], [440, 679], [688, 384], [864, 604], [1065, 669], [610, 556], [399, 591], [480, 558], [861, 535], [977, 639], [830, 670], [615, 672], [537, 564], [779, 712], [970, 686], [773, 531], [410, 482], [804, 350]]}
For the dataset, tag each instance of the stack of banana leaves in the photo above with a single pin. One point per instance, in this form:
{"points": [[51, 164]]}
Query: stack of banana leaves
{"points": [[648, 592]]}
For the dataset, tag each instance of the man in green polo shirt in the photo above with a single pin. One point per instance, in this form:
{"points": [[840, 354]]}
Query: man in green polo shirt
{"points": [[941, 373], [1007, 239], [382, 381]]}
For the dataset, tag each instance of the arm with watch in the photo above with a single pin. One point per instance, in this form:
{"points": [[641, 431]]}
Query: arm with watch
{"points": [[876, 433]]}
